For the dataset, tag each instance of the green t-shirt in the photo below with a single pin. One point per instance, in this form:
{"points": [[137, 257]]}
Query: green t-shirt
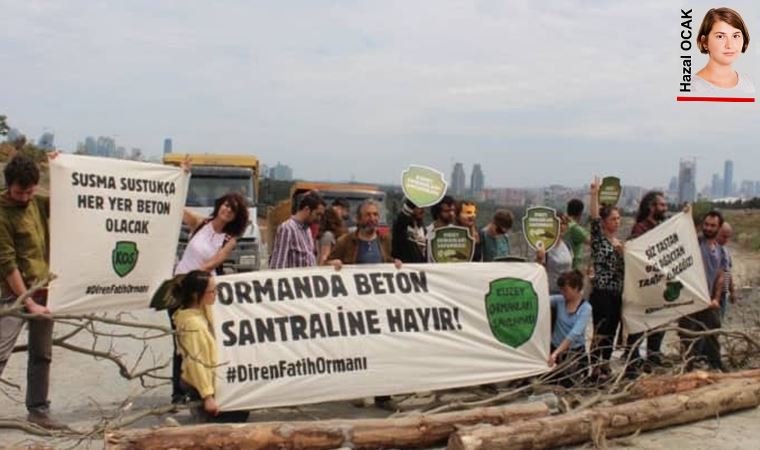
{"points": [[576, 237]]}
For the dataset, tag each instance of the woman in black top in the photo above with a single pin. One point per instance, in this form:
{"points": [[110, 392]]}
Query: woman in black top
{"points": [[607, 284]]}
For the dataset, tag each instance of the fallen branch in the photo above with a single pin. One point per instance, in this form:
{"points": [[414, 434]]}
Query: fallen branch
{"points": [[420, 431], [599, 423]]}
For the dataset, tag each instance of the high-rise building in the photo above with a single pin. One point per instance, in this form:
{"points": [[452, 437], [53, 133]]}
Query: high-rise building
{"points": [[90, 146], [46, 141], [477, 180], [167, 145], [728, 178], [105, 146], [757, 188], [458, 180], [687, 180], [747, 189], [281, 172], [716, 187]]}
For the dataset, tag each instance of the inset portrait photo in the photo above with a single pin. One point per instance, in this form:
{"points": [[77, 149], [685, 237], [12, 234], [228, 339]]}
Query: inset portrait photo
{"points": [[723, 37]]}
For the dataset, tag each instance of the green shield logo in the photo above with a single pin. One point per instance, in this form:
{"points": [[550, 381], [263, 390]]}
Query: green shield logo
{"points": [[451, 244], [124, 257], [672, 291], [423, 186], [609, 191], [541, 227], [512, 310]]}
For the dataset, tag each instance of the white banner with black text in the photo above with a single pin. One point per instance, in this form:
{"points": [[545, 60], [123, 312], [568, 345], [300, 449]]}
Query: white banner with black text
{"points": [[301, 336]]}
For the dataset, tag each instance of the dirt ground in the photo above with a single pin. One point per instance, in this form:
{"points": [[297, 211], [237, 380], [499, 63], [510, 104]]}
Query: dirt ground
{"points": [[84, 390]]}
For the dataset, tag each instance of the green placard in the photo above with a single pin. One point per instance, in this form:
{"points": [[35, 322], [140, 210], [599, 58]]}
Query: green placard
{"points": [[512, 310], [541, 227], [423, 186], [451, 244], [609, 191]]}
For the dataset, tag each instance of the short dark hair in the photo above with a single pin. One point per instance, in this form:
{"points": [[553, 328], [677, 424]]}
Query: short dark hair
{"points": [[503, 218], [342, 202], [727, 15], [21, 170], [575, 207], [435, 210], [191, 288], [606, 210], [311, 200], [240, 207], [715, 213], [572, 279]]}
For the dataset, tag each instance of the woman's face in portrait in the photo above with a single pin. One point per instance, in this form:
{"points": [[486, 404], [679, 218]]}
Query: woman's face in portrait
{"points": [[724, 43]]}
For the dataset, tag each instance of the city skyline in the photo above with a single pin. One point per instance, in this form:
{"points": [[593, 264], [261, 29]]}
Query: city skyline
{"points": [[380, 86]]}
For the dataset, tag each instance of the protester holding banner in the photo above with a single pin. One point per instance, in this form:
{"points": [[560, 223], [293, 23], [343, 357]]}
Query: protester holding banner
{"points": [[331, 228], [572, 313], [195, 341], [714, 259], [729, 292], [652, 209], [24, 244], [607, 284], [409, 243], [466, 212], [213, 239], [365, 245], [577, 236], [559, 258], [293, 242], [494, 237]]}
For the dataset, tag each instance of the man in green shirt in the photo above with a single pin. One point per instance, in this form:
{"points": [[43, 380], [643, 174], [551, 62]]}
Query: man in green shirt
{"points": [[24, 254], [576, 236]]}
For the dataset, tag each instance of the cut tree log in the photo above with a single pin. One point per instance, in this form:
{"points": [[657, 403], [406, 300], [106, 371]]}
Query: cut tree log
{"points": [[672, 384], [415, 431], [598, 423]]}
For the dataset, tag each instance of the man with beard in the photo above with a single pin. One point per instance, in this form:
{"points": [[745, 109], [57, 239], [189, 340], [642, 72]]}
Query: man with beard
{"points": [[409, 241], [24, 253], [365, 245], [651, 213], [714, 258], [444, 213], [293, 242]]}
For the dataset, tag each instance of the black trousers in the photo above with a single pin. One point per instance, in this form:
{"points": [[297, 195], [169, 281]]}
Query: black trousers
{"points": [[606, 307], [704, 347], [177, 392], [654, 343]]}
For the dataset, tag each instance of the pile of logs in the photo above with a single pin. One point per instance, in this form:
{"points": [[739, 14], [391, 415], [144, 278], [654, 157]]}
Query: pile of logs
{"points": [[657, 402]]}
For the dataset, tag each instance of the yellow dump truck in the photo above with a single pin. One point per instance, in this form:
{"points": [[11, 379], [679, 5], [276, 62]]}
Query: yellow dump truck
{"points": [[212, 177], [353, 193]]}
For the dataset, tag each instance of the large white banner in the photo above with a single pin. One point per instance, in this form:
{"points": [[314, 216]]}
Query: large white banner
{"points": [[114, 227], [310, 335], [664, 275]]}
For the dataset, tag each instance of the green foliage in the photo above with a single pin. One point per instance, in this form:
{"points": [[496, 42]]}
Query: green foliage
{"points": [[4, 128]]}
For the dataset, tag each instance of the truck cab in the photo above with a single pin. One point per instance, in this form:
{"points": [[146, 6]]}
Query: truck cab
{"points": [[212, 177]]}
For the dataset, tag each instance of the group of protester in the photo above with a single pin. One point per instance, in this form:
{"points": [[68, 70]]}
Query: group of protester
{"points": [[24, 250]]}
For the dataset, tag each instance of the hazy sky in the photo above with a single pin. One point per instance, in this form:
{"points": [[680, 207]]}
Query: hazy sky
{"points": [[537, 92]]}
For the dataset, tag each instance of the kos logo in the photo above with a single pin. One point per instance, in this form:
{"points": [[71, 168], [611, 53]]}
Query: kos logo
{"points": [[124, 257]]}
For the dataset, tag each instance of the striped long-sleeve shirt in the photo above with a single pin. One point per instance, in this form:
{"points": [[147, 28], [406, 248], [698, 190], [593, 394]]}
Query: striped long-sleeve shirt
{"points": [[293, 246]]}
